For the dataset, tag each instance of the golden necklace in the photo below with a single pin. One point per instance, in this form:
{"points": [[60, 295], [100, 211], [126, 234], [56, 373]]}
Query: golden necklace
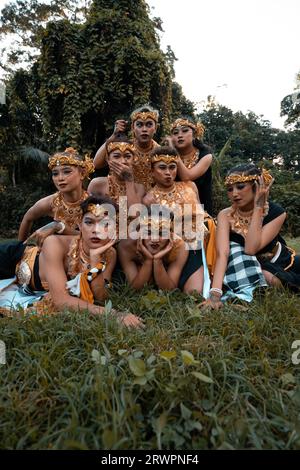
{"points": [[191, 158], [69, 213], [142, 165], [240, 221], [79, 261], [116, 188], [167, 198]]}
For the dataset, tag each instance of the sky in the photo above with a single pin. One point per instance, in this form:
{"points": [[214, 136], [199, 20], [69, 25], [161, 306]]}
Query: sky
{"points": [[243, 52], [246, 53]]}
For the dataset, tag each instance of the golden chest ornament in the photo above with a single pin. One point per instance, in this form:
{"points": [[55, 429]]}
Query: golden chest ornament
{"points": [[69, 213]]}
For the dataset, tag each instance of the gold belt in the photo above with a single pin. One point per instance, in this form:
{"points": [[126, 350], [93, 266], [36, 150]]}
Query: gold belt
{"points": [[24, 269]]}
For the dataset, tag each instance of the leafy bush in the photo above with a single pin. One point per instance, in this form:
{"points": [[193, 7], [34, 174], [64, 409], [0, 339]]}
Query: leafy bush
{"points": [[14, 202]]}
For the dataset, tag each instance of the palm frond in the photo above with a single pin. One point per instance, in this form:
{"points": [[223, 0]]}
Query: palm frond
{"points": [[33, 154]]}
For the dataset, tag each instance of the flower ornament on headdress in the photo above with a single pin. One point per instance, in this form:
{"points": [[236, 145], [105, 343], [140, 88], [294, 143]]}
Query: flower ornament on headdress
{"points": [[71, 157], [122, 146], [164, 158], [242, 178], [98, 210], [198, 128]]}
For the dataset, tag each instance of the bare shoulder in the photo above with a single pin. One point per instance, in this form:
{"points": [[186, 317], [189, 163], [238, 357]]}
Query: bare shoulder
{"points": [[45, 202], [224, 213], [97, 185], [55, 244]]}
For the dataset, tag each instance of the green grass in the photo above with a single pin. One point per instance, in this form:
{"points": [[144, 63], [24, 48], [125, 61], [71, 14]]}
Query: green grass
{"points": [[294, 243], [191, 380]]}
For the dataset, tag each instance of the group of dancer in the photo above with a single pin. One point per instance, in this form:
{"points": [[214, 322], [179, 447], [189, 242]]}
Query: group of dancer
{"points": [[133, 222]]}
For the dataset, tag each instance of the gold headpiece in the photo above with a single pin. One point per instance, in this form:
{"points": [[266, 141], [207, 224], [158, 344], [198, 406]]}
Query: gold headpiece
{"points": [[98, 210], [242, 178], [71, 157], [198, 127], [144, 116], [164, 158], [156, 222], [122, 146]]}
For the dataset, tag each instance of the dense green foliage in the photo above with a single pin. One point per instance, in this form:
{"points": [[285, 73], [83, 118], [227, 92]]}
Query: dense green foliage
{"points": [[191, 380]]}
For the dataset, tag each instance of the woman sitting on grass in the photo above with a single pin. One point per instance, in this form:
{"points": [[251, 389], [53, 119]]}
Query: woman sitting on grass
{"points": [[182, 198], [250, 251], [69, 170], [76, 270], [195, 158]]}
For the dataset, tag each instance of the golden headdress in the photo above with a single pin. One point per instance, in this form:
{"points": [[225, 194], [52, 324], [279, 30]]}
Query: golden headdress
{"points": [[242, 178], [98, 210], [71, 157], [164, 158], [156, 222], [144, 115], [198, 127], [122, 146]]}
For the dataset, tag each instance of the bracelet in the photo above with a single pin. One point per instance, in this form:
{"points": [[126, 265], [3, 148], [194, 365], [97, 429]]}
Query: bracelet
{"points": [[216, 290], [93, 272], [62, 229]]}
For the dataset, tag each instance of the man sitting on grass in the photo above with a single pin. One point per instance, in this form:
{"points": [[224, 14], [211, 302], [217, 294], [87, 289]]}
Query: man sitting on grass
{"points": [[158, 256], [74, 269]]}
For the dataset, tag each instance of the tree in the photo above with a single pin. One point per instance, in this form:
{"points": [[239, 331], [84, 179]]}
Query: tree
{"points": [[87, 73], [25, 21], [290, 107]]}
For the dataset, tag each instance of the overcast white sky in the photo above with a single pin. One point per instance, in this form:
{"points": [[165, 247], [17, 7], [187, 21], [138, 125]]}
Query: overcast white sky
{"points": [[245, 52]]}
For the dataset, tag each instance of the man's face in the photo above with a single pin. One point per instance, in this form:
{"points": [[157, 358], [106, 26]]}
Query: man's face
{"points": [[96, 231], [144, 130], [164, 174]]}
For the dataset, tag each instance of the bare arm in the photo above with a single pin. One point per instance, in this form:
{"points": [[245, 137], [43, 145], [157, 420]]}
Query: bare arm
{"points": [[52, 266], [259, 236], [100, 157], [167, 279], [98, 284], [186, 174], [222, 248], [40, 209], [136, 276]]}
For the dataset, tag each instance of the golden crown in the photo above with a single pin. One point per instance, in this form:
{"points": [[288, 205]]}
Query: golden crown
{"points": [[156, 222], [198, 128], [71, 157], [98, 210], [242, 178], [164, 158], [122, 146], [144, 116]]}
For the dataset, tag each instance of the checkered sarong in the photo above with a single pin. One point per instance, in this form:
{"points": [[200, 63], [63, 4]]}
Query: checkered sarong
{"points": [[243, 274]]}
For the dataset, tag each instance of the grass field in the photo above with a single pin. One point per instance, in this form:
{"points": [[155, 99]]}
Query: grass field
{"points": [[191, 380]]}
